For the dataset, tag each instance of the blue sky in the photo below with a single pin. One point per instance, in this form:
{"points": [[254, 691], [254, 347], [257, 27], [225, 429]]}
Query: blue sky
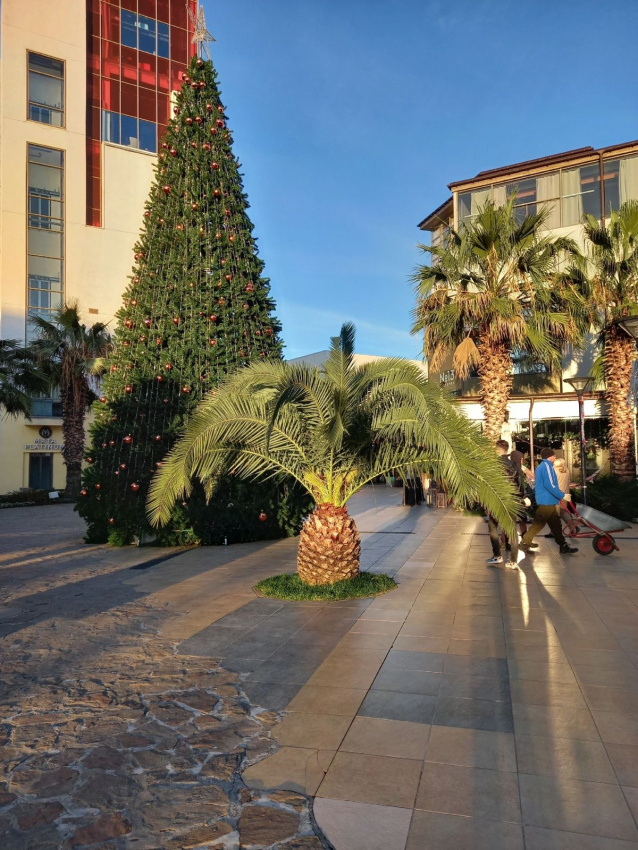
{"points": [[350, 117]]}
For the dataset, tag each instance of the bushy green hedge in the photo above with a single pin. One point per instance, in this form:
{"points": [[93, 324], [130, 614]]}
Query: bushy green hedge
{"points": [[19, 498], [613, 496]]}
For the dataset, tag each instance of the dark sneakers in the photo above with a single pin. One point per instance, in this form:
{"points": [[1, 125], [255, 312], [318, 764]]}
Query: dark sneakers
{"points": [[566, 549]]}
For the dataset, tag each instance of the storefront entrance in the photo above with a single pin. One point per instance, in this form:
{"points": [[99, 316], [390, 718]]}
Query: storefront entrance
{"points": [[41, 471]]}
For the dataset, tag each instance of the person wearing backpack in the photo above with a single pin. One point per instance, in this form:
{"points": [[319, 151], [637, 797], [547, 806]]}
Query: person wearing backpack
{"points": [[515, 475]]}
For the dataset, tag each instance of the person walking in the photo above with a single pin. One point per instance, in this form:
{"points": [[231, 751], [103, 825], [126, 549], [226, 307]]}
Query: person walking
{"points": [[514, 473], [517, 458], [548, 495]]}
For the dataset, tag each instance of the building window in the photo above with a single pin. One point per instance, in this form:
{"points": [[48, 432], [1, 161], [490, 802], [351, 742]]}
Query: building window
{"points": [[45, 234], [524, 192], [145, 34], [46, 90], [129, 132]]}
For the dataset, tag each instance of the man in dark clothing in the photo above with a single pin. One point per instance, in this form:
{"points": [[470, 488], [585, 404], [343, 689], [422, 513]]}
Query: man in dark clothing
{"points": [[515, 474], [548, 495]]}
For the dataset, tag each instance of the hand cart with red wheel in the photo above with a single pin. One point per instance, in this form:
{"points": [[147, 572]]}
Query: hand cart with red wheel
{"points": [[588, 522]]}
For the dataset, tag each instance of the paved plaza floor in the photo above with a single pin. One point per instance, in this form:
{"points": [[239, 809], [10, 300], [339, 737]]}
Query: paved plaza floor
{"points": [[472, 708]]}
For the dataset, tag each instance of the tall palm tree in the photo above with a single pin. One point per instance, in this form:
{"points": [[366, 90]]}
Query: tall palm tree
{"points": [[20, 378], [608, 274], [333, 430], [71, 354], [489, 294]]}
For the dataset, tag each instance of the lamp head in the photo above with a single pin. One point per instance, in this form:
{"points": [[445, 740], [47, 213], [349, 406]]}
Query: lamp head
{"points": [[579, 385]]}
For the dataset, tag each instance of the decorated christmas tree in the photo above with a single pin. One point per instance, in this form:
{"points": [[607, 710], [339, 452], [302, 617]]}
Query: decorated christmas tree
{"points": [[196, 308]]}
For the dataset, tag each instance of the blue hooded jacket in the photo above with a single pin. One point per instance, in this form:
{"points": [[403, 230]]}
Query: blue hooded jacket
{"points": [[546, 488]]}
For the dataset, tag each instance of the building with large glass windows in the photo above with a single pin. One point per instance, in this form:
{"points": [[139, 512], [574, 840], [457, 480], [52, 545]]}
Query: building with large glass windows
{"points": [[85, 96], [568, 185]]}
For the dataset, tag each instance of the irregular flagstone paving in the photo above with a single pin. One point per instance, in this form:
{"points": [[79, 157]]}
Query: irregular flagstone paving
{"points": [[108, 739]]}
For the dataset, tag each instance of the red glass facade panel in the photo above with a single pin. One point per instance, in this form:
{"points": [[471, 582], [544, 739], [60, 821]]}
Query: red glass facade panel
{"points": [[128, 100], [123, 81], [147, 71], [110, 22], [163, 13], [129, 64], [148, 105], [147, 8]]}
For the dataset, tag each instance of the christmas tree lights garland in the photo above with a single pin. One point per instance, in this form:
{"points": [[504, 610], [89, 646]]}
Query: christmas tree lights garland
{"points": [[196, 307]]}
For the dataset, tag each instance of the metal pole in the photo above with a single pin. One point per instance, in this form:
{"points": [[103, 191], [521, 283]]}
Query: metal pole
{"points": [[583, 472], [531, 434]]}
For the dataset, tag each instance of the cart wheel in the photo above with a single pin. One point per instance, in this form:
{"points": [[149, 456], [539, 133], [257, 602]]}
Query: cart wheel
{"points": [[603, 544]]}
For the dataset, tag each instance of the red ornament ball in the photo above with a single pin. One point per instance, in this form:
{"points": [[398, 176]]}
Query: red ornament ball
{"points": [[176, 110], [250, 287], [168, 366], [128, 323], [148, 322], [195, 205], [214, 166], [263, 516], [167, 189], [103, 399], [227, 213], [89, 460], [158, 438], [147, 213], [135, 487], [84, 492], [176, 320], [217, 192], [159, 378], [212, 317], [111, 521], [122, 466], [134, 302], [127, 440], [128, 388], [212, 342], [268, 331], [186, 389], [220, 108], [98, 486], [189, 121], [221, 300], [179, 226], [219, 122], [165, 145], [202, 84], [194, 145], [198, 119], [209, 107], [194, 84], [166, 400], [228, 277], [213, 131]]}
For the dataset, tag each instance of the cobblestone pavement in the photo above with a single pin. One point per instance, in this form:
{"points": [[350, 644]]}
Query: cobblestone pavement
{"points": [[109, 739]]}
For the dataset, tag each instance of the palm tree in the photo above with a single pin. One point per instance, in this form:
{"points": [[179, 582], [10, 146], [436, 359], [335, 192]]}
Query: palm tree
{"points": [[608, 274], [19, 378], [333, 430], [489, 294], [70, 354]]}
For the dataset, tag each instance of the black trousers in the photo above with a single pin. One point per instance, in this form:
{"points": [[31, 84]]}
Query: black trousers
{"points": [[545, 515], [495, 540]]}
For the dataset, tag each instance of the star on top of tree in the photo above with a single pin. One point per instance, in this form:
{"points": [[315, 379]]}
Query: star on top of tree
{"points": [[201, 36]]}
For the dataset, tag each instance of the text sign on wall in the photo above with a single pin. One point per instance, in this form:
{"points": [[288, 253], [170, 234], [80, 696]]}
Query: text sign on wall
{"points": [[44, 445]]}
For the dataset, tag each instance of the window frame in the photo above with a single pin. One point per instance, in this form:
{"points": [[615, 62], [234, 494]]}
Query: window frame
{"points": [[61, 112], [60, 228]]}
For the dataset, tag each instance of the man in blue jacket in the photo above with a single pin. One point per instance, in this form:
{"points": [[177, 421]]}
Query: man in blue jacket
{"points": [[548, 495]]}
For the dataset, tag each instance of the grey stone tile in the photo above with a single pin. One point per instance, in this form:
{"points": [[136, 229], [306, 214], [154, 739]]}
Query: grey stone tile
{"points": [[465, 664], [554, 721], [611, 699], [381, 737], [567, 758], [624, 679], [391, 705], [211, 641], [482, 714], [593, 808], [311, 731], [624, 759], [474, 687], [239, 664], [470, 791], [617, 728], [362, 826], [431, 662], [407, 681], [472, 748], [269, 695], [283, 673], [541, 671], [435, 831], [549, 839], [546, 693], [366, 778], [328, 700]]}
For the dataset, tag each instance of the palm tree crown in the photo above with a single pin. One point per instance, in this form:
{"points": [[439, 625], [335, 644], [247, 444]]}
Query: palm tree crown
{"points": [[608, 276], [20, 378], [488, 294], [333, 430], [70, 354]]}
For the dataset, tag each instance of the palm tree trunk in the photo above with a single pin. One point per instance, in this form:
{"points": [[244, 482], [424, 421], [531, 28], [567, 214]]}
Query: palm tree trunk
{"points": [[329, 546], [73, 433], [620, 353], [495, 373]]}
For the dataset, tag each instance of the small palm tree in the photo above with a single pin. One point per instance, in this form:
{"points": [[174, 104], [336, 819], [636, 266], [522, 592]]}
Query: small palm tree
{"points": [[20, 378], [489, 294], [71, 354], [333, 430], [608, 274]]}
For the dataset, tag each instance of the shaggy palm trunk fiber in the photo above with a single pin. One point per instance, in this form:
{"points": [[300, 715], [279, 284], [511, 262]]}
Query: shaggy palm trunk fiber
{"points": [[495, 373], [329, 546], [620, 353], [73, 433]]}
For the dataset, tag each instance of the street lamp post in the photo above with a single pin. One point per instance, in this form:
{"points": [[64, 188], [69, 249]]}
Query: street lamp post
{"points": [[580, 386], [630, 327]]}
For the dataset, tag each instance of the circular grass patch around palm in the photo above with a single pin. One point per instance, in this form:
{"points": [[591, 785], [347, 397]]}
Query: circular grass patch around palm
{"points": [[290, 586]]}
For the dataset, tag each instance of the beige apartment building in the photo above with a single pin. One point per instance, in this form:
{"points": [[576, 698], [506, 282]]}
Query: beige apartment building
{"points": [[85, 94], [569, 185]]}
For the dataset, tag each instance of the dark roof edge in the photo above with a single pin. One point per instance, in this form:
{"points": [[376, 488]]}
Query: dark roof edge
{"points": [[554, 159], [435, 216]]}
